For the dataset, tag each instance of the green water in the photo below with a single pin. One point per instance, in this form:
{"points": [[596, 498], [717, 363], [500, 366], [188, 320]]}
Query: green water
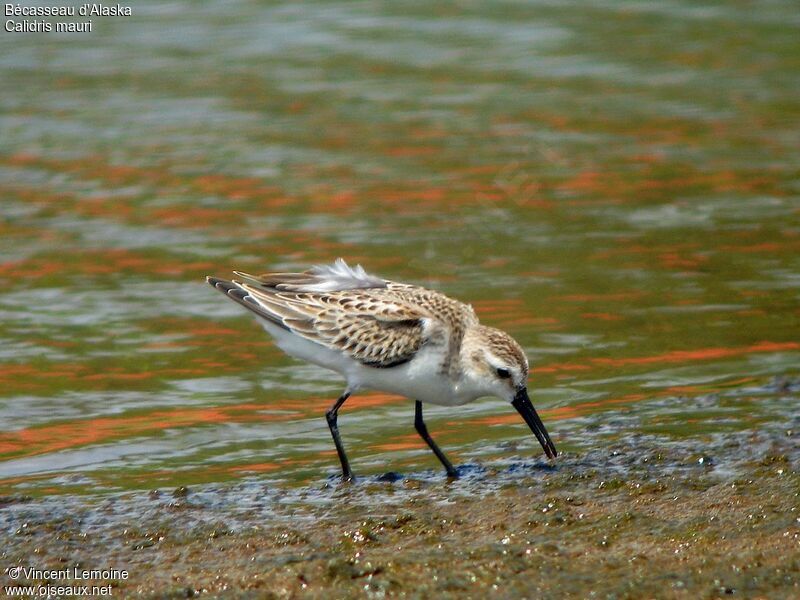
{"points": [[616, 185]]}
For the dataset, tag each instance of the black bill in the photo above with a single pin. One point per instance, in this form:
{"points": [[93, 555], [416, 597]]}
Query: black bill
{"points": [[524, 407]]}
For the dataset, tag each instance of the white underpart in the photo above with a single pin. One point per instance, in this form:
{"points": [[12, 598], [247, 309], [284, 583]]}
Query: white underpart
{"points": [[340, 276], [418, 379]]}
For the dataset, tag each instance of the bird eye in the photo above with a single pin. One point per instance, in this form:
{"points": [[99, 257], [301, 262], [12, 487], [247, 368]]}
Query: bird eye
{"points": [[503, 373]]}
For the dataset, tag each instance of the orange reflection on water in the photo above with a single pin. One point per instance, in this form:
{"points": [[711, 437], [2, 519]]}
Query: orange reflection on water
{"points": [[71, 434], [161, 176], [402, 442], [675, 356], [613, 297], [511, 312], [700, 354], [601, 316], [556, 367], [107, 261], [320, 405]]}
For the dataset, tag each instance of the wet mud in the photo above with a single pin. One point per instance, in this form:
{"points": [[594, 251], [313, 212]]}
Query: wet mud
{"points": [[715, 518]]}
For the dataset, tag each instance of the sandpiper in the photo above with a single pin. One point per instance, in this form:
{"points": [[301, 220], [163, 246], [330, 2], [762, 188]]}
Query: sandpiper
{"points": [[388, 336]]}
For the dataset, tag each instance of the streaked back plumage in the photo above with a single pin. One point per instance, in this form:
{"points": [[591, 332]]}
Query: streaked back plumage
{"points": [[377, 322]]}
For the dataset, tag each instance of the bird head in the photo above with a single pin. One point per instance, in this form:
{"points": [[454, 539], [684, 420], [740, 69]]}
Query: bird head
{"points": [[497, 366]]}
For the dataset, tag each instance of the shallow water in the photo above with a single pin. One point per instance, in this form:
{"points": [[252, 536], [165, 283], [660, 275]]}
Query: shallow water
{"points": [[616, 186]]}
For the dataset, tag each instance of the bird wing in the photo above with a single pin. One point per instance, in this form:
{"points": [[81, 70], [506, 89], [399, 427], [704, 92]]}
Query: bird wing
{"points": [[377, 322], [376, 331]]}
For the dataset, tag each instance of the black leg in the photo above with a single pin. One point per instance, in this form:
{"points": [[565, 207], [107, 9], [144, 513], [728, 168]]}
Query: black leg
{"points": [[419, 424], [331, 415]]}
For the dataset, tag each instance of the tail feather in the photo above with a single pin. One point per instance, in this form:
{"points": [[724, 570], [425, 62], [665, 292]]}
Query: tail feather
{"points": [[236, 293]]}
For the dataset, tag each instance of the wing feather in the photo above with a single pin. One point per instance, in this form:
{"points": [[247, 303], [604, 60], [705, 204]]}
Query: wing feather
{"points": [[377, 333], [377, 322]]}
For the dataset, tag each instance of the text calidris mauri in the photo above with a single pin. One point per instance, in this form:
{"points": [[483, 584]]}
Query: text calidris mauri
{"points": [[388, 336]]}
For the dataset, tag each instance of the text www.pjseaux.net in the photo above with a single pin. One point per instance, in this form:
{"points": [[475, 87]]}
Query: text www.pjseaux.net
{"points": [[71, 581]]}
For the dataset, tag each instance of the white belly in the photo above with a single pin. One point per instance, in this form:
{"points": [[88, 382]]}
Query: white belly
{"points": [[419, 379]]}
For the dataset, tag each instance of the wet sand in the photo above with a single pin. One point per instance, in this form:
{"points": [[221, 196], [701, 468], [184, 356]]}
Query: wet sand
{"points": [[641, 519]]}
